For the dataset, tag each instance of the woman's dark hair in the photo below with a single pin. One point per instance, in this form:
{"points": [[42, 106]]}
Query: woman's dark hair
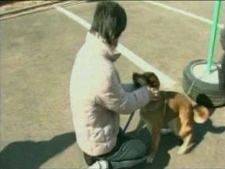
{"points": [[109, 21], [222, 38]]}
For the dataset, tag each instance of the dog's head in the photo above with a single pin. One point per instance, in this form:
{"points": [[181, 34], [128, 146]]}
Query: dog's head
{"points": [[147, 78]]}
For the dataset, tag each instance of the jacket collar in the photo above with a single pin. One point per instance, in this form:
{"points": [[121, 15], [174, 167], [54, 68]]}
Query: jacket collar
{"points": [[97, 42]]}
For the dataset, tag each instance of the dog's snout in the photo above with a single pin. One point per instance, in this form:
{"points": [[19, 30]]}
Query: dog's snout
{"points": [[135, 74]]}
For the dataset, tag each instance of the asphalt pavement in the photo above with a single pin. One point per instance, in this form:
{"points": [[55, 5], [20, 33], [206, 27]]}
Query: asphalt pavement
{"points": [[37, 55]]}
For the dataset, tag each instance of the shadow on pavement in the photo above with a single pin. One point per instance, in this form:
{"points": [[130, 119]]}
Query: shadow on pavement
{"points": [[31, 155], [202, 129], [167, 142], [170, 141]]}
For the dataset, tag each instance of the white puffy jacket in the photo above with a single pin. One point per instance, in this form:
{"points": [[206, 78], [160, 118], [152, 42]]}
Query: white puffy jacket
{"points": [[97, 97]]}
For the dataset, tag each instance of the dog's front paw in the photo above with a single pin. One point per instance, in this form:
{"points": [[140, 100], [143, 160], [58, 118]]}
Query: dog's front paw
{"points": [[181, 150], [149, 159], [185, 149]]}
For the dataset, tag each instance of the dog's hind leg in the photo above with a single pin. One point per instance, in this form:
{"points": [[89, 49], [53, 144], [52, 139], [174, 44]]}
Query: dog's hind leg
{"points": [[186, 133], [187, 145]]}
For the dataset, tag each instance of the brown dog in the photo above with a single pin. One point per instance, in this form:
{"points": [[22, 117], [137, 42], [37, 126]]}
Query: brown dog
{"points": [[172, 109]]}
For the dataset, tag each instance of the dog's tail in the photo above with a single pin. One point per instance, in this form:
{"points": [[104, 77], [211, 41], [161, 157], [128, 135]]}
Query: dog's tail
{"points": [[201, 113]]}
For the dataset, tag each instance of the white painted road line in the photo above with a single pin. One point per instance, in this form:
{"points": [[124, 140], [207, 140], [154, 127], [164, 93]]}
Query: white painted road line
{"points": [[188, 14], [142, 64], [74, 17]]}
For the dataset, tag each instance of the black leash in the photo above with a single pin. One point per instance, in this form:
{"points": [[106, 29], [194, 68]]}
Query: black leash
{"points": [[128, 122]]}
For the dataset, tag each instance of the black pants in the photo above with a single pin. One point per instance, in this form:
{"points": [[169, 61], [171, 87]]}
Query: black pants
{"points": [[222, 73], [127, 153]]}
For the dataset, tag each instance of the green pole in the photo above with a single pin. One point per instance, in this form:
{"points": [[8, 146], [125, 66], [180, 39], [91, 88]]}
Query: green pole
{"points": [[216, 14]]}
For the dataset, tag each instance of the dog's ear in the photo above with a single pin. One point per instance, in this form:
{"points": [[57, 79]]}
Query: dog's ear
{"points": [[153, 80], [139, 80]]}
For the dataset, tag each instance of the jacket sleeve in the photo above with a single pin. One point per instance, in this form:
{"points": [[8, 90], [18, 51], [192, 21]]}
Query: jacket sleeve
{"points": [[115, 98]]}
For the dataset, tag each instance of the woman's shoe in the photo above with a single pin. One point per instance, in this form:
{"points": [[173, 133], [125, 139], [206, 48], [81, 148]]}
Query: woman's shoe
{"points": [[100, 165]]}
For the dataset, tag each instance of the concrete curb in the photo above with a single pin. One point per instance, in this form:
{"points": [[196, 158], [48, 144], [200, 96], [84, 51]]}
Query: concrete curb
{"points": [[26, 8], [34, 8]]}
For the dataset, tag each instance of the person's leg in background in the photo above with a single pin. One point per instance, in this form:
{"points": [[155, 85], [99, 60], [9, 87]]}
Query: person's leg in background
{"points": [[222, 61]]}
